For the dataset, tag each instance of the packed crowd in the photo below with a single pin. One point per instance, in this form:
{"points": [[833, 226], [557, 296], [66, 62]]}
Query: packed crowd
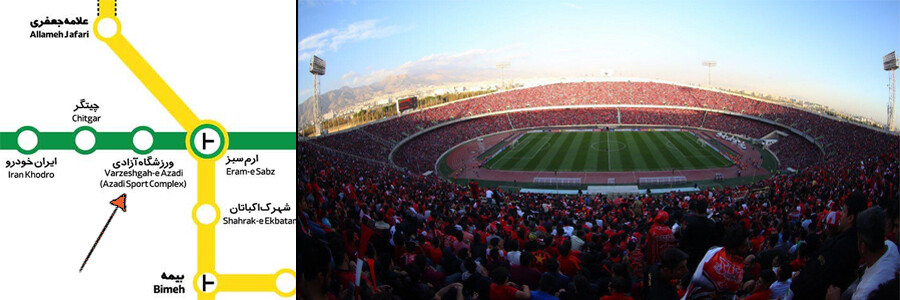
{"points": [[834, 135], [737, 125], [357, 142], [795, 152], [421, 153], [563, 117], [660, 116], [827, 232]]}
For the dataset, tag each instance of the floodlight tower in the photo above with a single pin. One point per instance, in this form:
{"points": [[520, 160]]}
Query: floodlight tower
{"points": [[709, 64], [502, 66], [890, 64], [317, 68]]}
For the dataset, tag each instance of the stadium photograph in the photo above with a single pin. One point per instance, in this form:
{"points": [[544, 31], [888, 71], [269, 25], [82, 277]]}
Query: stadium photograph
{"points": [[598, 150]]}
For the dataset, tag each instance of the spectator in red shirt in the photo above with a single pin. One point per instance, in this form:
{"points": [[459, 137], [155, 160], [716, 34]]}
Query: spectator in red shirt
{"points": [[569, 264], [659, 238], [761, 291], [502, 289]]}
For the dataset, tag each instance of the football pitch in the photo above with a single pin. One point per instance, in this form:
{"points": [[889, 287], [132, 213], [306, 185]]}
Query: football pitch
{"points": [[607, 152]]}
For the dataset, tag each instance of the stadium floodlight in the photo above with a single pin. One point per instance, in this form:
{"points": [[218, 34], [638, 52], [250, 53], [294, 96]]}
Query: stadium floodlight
{"points": [[890, 65], [709, 64], [502, 66], [317, 68]]}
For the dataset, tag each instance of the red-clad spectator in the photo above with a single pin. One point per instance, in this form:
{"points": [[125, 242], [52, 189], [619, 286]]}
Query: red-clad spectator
{"points": [[569, 264], [659, 238], [502, 289]]}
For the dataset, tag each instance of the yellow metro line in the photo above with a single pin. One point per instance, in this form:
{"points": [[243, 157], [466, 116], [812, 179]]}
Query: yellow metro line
{"points": [[154, 83], [206, 167]]}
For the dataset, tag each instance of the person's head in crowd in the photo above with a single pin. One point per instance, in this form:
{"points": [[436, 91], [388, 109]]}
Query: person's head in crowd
{"points": [[495, 242], [500, 275], [662, 217], [780, 259], [410, 246], [772, 240], [316, 263], [552, 265], [677, 217], [784, 272], [494, 255], [511, 245], [728, 216], [870, 234], [564, 250], [525, 259], [698, 206], [855, 204], [674, 264], [531, 246], [458, 235], [470, 266], [802, 249], [463, 253], [749, 262], [737, 241]]}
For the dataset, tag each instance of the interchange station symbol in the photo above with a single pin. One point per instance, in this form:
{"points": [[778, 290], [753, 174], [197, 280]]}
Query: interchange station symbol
{"points": [[207, 282]]}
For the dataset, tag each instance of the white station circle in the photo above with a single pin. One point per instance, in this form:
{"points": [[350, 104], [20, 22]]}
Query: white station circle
{"points": [[142, 140], [285, 282], [84, 140], [27, 140], [206, 214], [107, 28]]}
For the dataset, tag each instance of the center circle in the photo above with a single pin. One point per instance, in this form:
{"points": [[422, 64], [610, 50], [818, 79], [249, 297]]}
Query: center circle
{"points": [[614, 146]]}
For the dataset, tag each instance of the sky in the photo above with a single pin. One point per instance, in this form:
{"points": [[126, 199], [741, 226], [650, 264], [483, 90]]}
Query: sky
{"points": [[827, 52]]}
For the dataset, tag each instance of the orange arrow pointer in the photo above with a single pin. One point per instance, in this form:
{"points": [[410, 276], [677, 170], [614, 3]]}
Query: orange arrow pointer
{"points": [[118, 203]]}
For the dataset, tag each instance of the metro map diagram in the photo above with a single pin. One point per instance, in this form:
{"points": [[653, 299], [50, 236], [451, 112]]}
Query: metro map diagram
{"points": [[208, 143]]}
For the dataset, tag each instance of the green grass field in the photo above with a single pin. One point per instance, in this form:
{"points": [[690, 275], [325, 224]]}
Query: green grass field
{"points": [[607, 152]]}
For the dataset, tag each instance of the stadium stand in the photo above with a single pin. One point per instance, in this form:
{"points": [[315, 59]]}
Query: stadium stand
{"points": [[417, 236]]}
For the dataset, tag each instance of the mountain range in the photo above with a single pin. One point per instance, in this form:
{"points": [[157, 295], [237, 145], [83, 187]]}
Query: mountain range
{"points": [[389, 87]]}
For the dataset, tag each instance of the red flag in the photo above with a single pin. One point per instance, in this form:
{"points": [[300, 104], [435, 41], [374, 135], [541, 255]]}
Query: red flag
{"points": [[364, 241], [371, 263]]}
